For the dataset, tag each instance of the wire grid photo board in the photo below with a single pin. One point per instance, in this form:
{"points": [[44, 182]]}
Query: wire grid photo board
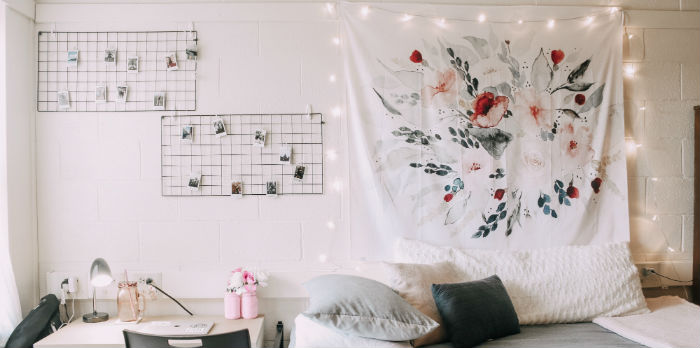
{"points": [[233, 157], [54, 73]]}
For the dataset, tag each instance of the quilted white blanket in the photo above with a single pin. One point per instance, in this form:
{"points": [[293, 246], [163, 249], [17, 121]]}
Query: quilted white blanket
{"points": [[672, 323]]}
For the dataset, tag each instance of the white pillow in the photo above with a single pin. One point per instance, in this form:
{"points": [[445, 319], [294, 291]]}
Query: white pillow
{"points": [[558, 285], [310, 334]]}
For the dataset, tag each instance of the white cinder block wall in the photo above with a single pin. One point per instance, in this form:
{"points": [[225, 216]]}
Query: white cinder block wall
{"points": [[98, 174]]}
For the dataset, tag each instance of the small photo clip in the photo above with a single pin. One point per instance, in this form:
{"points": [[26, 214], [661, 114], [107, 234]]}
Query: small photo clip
{"points": [[299, 171], [259, 138], [171, 61], [308, 111], [194, 181], [237, 189], [191, 51], [63, 98], [187, 134], [285, 154], [271, 188], [100, 93], [122, 92], [110, 56], [132, 65], [219, 127], [159, 101], [72, 58]]}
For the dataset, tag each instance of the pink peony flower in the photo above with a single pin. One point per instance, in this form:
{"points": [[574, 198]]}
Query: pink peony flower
{"points": [[444, 91], [488, 110]]}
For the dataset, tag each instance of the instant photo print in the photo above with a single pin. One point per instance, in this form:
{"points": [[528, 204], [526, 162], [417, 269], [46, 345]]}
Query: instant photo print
{"points": [[219, 127], [171, 61], [191, 51], [159, 101], [122, 91], [259, 138], [299, 171], [132, 65], [194, 181], [72, 58], [285, 154], [272, 188], [100, 93], [187, 134], [237, 189], [63, 99], [110, 56]]}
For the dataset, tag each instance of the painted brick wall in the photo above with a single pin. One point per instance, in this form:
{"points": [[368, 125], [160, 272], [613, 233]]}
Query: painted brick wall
{"points": [[98, 188]]}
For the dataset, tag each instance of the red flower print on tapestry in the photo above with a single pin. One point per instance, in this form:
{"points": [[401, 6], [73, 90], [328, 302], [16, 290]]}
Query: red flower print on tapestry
{"points": [[416, 57], [557, 56], [488, 110], [580, 99], [499, 194]]}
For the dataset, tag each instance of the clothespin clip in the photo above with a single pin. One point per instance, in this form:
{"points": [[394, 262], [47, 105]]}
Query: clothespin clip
{"points": [[308, 111], [52, 35]]}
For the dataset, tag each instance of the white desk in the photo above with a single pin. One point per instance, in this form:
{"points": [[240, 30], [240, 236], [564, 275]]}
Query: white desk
{"points": [[109, 334]]}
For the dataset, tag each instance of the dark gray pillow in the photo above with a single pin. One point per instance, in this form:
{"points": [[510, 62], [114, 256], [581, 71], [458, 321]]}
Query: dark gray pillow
{"points": [[475, 312], [365, 308]]}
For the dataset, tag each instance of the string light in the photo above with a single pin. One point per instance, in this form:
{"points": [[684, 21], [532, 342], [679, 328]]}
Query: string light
{"points": [[589, 20], [330, 7], [630, 70], [482, 18], [643, 108], [336, 111], [364, 11], [331, 78], [323, 258], [441, 23], [520, 21], [613, 10], [550, 24], [406, 17], [336, 41], [330, 225], [654, 218], [630, 36]]}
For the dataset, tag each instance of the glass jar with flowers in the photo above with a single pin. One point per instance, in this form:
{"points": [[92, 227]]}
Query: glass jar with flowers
{"points": [[249, 298], [232, 298]]}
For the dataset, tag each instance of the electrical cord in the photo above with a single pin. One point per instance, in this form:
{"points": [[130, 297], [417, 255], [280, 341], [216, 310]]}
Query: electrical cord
{"points": [[149, 281], [663, 276]]}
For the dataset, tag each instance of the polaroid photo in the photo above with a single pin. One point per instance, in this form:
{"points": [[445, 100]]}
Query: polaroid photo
{"points": [[122, 91], [272, 188], [299, 171], [63, 100], [132, 65], [194, 181], [159, 101], [219, 127], [285, 154], [187, 134], [110, 56], [259, 138], [191, 51], [100, 93], [237, 189], [171, 61], [72, 59]]}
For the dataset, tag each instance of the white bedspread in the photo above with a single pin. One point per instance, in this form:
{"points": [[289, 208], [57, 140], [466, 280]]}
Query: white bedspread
{"points": [[672, 323]]}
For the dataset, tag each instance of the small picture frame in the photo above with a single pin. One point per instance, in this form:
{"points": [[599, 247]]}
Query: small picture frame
{"points": [[285, 154], [63, 99], [171, 61], [237, 189], [187, 134], [194, 181], [259, 137], [191, 51], [132, 64], [299, 171], [122, 92], [110, 56], [100, 93], [159, 101], [271, 188], [219, 127], [72, 61]]}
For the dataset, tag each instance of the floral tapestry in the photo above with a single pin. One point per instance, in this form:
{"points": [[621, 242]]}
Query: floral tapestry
{"points": [[506, 132]]}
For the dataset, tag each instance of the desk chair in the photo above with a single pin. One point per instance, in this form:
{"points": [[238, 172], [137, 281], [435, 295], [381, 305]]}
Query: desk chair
{"points": [[236, 339]]}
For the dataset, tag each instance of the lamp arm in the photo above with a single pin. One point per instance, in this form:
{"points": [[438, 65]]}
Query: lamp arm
{"points": [[149, 281]]}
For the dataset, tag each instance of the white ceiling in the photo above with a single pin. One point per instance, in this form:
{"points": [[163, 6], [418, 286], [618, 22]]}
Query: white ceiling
{"points": [[692, 5]]}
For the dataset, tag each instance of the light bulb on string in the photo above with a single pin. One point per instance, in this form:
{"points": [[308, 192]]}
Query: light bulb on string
{"points": [[589, 20], [330, 225], [613, 10], [330, 7], [336, 41], [331, 78], [364, 11], [482, 18], [441, 22], [550, 24], [337, 111], [520, 21], [630, 70], [406, 17]]}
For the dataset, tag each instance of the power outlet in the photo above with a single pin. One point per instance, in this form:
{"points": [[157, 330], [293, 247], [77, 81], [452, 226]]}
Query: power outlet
{"points": [[649, 279], [54, 280], [141, 278]]}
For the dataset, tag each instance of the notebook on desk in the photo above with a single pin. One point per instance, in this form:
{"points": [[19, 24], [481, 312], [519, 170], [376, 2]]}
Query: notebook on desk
{"points": [[176, 328]]}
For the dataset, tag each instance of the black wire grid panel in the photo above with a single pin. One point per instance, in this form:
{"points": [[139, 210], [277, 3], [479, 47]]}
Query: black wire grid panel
{"points": [[54, 74], [233, 158]]}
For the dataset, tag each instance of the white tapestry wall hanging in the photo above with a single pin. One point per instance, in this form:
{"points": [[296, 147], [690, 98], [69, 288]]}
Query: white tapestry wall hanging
{"points": [[488, 128]]}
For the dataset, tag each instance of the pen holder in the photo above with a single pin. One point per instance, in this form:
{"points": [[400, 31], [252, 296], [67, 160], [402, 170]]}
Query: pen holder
{"points": [[130, 304]]}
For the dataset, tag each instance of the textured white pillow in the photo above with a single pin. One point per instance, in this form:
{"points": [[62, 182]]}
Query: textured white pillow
{"points": [[310, 334], [413, 282], [558, 285]]}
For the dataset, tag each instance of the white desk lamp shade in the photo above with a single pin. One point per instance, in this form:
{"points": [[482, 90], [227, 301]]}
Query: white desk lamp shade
{"points": [[100, 275]]}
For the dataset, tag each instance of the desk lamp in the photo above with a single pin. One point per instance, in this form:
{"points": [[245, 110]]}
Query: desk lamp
{"points": [[100, 275]]}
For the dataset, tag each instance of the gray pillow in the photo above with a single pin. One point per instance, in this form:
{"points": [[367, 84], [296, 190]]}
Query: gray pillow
{"points": [[365, 308]]}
